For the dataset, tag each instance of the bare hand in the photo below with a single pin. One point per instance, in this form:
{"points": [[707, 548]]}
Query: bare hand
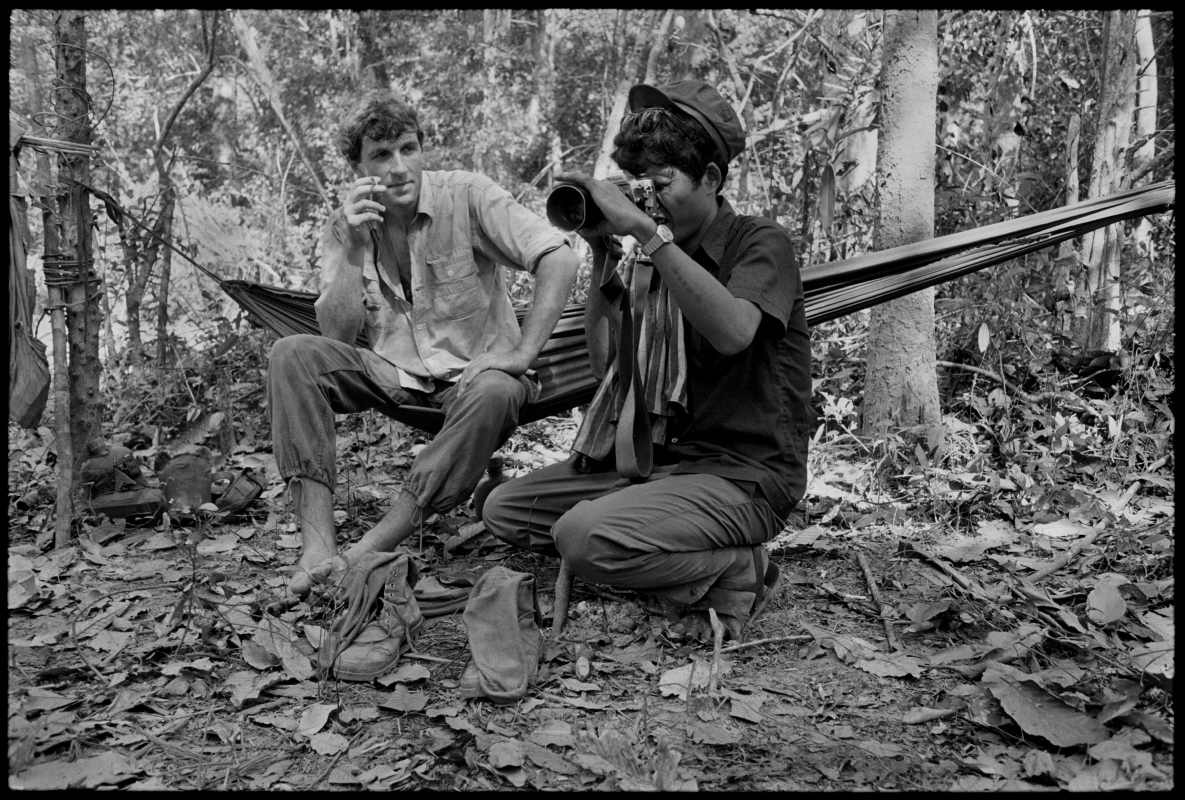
{"points": [[622, 217], [361, 206], [513, 363]]}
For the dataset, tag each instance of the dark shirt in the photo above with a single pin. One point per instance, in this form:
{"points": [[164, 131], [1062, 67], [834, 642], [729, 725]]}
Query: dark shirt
{"points": [[748, 415]]}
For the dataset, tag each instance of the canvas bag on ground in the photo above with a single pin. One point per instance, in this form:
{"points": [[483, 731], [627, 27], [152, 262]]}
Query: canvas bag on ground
{"points": [[502, 618]]}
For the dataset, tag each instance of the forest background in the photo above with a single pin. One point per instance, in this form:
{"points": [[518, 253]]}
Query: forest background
{"points": [[216, 128]]}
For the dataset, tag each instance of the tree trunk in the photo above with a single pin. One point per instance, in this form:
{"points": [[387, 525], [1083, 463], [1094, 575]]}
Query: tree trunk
{"points": [[1146, 108], [901, 387], [1098, 305], [1066, 267], [83, 320], [263, 77], [166, 265], [374, 69], [629, 58]]}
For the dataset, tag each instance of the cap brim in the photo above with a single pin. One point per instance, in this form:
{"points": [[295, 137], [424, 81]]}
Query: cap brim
{"points": [[642, 97]]}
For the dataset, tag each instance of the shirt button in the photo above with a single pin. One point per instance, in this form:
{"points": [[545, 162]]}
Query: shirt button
{"points": [[674, 440], [420, 325], [450, 272]]}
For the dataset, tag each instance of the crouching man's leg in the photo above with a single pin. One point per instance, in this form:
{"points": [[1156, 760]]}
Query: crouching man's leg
{"points": [[446, 471], [311, 378], [694, 540]]}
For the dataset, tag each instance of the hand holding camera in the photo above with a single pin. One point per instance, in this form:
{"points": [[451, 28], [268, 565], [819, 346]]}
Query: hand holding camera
{"points": [[614, 206]]}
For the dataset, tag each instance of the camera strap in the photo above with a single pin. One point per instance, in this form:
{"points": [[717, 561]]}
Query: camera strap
{"points": [[635, 451]]}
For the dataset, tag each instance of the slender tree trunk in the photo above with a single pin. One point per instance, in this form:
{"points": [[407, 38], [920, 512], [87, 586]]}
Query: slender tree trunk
{"points": [[263, 76], [374, 68], [1098, 305], [626, 77], [1066, 267], [83, 320], [166, 268], [661, 36], [1146, 108], [902, 385]]}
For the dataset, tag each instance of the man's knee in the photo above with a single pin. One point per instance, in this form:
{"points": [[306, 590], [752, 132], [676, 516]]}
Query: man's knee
{"points": [[290, 354], [587, 544], [493, 385]]}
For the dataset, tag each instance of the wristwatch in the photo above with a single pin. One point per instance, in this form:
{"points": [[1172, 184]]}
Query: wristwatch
{"points": [[660, 237]]}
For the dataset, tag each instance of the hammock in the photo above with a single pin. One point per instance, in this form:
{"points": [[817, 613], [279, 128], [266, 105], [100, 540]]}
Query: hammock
{"points": [[832, 290]]}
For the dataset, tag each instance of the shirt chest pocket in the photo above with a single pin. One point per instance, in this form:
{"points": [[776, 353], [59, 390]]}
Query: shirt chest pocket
{"points": [[456, 287]]}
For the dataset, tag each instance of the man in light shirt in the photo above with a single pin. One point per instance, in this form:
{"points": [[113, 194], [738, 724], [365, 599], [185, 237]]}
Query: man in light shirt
{"points": [[413, 258]]}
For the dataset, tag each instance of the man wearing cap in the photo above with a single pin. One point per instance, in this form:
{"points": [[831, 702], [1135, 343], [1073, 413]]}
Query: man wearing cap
{"points": [[414, 258], [693, 451]]}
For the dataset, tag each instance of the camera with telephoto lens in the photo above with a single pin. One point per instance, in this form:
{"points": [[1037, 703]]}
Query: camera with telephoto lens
{"points": [[571, 207]]}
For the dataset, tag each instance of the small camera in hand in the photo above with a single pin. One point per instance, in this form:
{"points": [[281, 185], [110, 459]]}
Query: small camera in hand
{"points": [[570, 207]]}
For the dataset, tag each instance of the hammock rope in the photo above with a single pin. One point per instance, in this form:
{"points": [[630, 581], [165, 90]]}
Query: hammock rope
{"points": [[832, 290]]}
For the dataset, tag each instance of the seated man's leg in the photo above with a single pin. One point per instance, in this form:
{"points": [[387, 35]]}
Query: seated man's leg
{"points": [[311, 378], [476, 423], [691, 539], [523, 511]]}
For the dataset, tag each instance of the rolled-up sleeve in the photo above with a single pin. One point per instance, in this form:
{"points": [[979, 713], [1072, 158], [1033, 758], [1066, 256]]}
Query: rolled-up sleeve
{"points": [[508, 232]]}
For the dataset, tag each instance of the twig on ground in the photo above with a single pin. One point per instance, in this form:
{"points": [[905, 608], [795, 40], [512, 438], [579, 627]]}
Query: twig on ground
{"points": [[1064, 558], [718, 636], [876, 595], [802, 637], [336, 758], [563, 593], [78, 648]]}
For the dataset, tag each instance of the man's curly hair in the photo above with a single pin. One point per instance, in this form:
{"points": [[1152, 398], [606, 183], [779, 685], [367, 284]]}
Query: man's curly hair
{"points": [[378, 115], [673, 139]]}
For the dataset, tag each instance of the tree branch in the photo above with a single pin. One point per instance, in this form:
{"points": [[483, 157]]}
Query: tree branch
{"points": [[1065, 397], [193, 87]]}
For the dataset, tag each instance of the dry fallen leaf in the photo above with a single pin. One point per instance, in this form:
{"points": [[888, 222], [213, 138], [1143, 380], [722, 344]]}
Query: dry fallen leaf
{"points": [[403, 700], [328, 744], [315, 717], [1039, 713]]}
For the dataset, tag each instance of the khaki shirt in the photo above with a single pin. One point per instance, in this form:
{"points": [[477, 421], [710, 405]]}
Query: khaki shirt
{"points": [[466, 227]]}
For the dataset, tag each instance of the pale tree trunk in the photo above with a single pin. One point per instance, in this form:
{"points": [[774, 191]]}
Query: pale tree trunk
{"points": [[901, 387], [541, 109], [629, 59], [263, 77], [1065, 268], [1098, 304], [1145, 153]]}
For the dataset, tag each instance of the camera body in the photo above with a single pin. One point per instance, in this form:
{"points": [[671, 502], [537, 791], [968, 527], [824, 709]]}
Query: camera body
{"points": [[570, 207]]}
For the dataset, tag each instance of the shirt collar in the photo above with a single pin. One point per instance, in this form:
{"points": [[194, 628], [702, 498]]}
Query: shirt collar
{"points": [[717, 235]]}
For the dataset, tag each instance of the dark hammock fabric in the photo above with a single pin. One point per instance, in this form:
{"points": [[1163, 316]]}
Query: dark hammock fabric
{"points": [[832, 290]]}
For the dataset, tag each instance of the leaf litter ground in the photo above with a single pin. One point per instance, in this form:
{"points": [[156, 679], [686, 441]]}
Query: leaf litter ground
{"points": [[144, 657]]}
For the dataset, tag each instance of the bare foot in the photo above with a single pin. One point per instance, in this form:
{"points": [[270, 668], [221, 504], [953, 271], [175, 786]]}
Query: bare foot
{"points": [[315, 569]]}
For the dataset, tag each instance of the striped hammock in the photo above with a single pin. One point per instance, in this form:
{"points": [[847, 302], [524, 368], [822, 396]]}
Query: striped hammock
{"points": [[832, 290]]}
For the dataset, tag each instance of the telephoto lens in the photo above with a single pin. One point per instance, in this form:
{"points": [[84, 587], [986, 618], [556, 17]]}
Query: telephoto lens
{"points": [[570, 208]]}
